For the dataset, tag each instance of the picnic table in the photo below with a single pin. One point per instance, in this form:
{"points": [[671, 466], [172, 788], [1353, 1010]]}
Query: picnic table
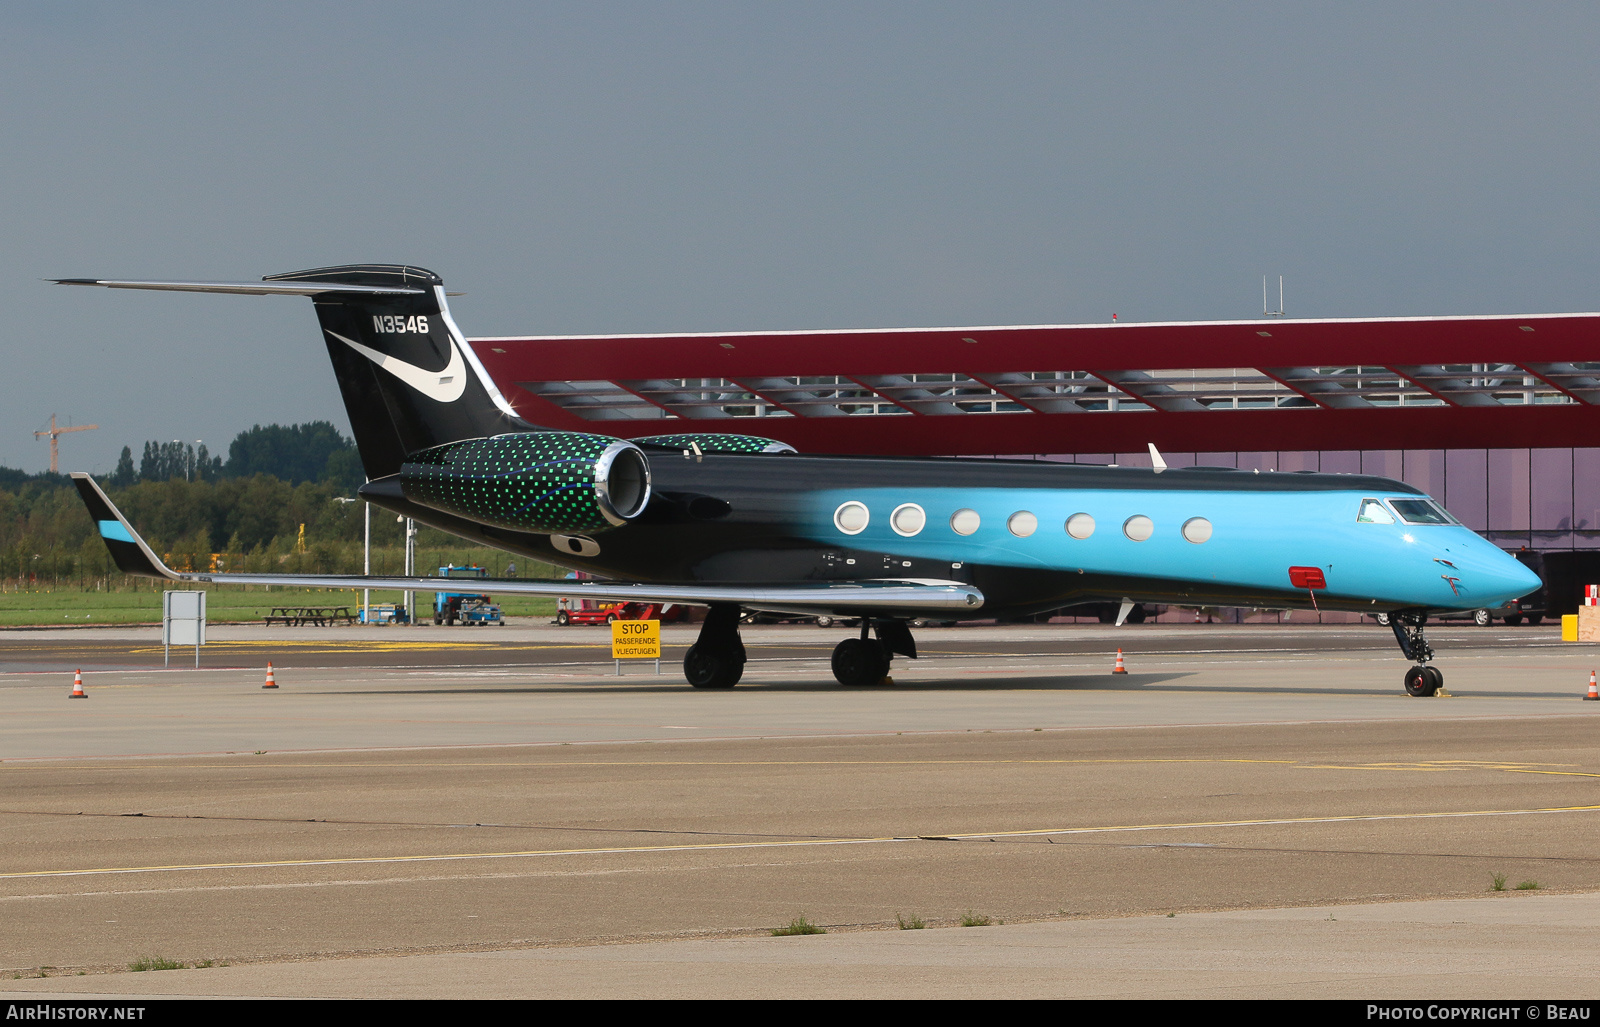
{"points": [[319, 616]]}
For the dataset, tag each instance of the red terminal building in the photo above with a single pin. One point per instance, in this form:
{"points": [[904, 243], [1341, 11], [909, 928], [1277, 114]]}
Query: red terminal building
{"points": [[1494, 416]]}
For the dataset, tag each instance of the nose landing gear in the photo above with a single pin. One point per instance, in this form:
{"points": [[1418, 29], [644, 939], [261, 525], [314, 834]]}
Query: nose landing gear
{"points": [[1422, 680]]}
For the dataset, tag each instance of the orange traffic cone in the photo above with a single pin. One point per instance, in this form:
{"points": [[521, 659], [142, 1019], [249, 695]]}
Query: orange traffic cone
{"points": [[1119, 668], [270, 682], [77, 686], [1593, 695]]}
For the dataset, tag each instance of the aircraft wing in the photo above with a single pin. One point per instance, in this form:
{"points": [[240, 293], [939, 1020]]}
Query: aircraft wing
{"points": [[134, 556]]}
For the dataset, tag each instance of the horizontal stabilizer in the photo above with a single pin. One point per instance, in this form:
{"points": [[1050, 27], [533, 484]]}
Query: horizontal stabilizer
{"points": [[134, 556], [253, 288]]}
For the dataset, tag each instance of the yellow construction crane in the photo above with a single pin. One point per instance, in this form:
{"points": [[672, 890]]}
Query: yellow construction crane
{"points": [[55, 461]]}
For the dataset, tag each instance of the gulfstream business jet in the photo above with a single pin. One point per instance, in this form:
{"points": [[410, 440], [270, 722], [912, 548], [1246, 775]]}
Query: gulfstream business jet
{"points": [[741, 523]]}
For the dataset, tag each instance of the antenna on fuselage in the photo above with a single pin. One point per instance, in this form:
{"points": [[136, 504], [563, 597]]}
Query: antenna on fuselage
{"points": [[1271, 313], [1155, 458]]}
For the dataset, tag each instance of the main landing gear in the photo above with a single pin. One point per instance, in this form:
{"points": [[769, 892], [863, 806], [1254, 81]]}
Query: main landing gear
{"points": [[865, 661], [716, 660], [1421, 680]]}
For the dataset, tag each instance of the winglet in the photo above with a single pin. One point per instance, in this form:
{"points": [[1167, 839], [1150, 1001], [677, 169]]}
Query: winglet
{"points": [[128, 550]]}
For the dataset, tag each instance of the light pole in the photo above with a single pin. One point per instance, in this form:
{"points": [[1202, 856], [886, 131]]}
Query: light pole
{"points": [[410, 565]]}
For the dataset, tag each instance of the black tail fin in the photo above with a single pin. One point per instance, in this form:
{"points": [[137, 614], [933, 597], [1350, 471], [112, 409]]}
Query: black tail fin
{"points": [[408, 377]]}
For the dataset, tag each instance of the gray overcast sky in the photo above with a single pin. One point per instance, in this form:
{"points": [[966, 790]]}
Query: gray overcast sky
{"points": [[679, 166]]}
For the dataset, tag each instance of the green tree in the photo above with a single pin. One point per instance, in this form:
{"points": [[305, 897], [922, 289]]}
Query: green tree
{"points": [[125, 474], [294, 453]]}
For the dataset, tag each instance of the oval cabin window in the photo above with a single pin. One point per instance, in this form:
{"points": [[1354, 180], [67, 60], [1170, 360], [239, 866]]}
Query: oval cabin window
{"points": [[908, 519], [964, 522], [851, 518]]}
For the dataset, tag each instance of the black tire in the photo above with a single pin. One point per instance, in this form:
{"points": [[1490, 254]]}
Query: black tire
{"points": [[1482, 618], [611, 618], [824, 622], [1535, 619], [1436, 676], [1419, 683], [438, 619], [1514, 619], [563, 618], [858, 662], [1106, 614], [1381, 618], [1137, 614], [711, 668]]}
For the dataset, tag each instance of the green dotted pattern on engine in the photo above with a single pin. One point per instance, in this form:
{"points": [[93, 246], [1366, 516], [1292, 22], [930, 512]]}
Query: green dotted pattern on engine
{"points": [[712, 443], [531, 481]]}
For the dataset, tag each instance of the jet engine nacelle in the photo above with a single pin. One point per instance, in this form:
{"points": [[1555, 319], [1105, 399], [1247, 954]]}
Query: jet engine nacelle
{"points": [[547, 482], [716, 442]]}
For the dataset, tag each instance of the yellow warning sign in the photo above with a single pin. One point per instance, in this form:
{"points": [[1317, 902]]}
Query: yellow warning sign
{"points": [[636, 640]]}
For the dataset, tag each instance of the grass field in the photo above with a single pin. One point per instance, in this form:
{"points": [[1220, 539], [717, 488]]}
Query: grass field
{"points": [[223, 605]]}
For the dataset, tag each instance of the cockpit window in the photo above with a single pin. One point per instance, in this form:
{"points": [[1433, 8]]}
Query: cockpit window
{"points": [[1373, 512], [1421, 511]]}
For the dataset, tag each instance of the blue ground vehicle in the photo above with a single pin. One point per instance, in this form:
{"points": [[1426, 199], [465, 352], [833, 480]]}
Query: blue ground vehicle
{"points": [[467, 607], [385, 613]]}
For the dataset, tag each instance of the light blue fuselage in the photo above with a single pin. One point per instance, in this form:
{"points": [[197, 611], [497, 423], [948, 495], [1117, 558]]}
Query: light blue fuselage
{"points": [[1255, 538]]}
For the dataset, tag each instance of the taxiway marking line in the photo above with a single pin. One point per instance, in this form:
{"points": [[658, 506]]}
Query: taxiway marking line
{"points": [[443, 858], [1352, 818], [799, 843], [56, 768], [1428, 766]]}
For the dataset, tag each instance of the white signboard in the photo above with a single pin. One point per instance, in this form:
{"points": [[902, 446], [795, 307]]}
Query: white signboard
{"points": [[183, 621]]}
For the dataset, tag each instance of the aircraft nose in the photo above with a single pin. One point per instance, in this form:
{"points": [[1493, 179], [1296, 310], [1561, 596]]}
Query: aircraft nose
{"points": [[1508, 579]]}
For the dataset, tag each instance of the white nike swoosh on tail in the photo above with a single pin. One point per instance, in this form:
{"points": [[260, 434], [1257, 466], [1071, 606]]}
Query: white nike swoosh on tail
{"points": [[444, 386]]}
